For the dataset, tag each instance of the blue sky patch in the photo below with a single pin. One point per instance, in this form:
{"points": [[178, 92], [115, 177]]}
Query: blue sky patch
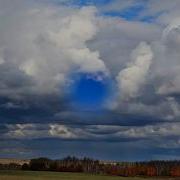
{"points": [[89, 92], [130, 13]]}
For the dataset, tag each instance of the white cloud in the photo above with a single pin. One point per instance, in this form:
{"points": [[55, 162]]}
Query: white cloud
{"points": [[61, 131], [47, 42], [132, 78]]}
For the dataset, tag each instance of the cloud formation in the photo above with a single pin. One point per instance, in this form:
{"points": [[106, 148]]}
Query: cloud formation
{"points": [[47, 44], [43, 44], [94, 132], [132, 78]]}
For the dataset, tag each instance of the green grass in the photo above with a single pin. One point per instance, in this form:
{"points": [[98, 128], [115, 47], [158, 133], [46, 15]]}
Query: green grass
{"points": [[32, 175]]}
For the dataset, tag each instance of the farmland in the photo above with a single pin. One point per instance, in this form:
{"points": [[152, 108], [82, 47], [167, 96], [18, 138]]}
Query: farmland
{"points": [[35, 175]]}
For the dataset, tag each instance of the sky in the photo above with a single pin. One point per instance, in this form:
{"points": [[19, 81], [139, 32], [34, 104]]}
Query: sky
{"points": [[90, 78]]}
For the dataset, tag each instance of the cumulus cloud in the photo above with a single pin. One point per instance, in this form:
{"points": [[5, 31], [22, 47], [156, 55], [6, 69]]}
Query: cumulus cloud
{"points": [[43, 42], [47, 43], [167, 59], [61, 131], [133, 77]]}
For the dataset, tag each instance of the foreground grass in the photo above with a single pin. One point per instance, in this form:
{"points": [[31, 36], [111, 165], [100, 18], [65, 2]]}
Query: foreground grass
{"points": [[34, 175]]}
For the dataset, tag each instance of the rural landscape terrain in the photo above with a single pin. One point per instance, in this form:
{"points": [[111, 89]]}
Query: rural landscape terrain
{"points": [[17, 175], [86, 168]]}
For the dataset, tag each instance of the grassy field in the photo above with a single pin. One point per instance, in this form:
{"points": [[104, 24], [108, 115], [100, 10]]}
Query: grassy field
{"points": [[27, 175]]}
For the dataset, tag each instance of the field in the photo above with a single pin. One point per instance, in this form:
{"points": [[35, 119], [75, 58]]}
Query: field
{"points": [[27, 175], [16, 161]]}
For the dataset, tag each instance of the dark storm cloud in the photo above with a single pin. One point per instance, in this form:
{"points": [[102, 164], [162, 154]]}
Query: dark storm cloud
{"points": [[104, 118]]}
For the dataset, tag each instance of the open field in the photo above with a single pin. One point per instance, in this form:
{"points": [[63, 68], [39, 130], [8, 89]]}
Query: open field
{"points": [[16, 161], [29, 175]]}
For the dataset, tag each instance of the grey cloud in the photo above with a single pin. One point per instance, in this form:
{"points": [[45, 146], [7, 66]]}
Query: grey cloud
{"points": [[117, 38], [91, 132]]}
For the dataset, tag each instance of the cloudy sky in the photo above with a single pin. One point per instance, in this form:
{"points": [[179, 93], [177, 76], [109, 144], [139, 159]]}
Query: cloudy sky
{"points": [[90, 78]]}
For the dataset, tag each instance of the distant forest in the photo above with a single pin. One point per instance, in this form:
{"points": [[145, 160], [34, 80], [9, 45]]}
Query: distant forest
{"points": [[87, 165]]}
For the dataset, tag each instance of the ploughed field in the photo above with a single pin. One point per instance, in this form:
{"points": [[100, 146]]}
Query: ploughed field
{"points": [[35, 175]]}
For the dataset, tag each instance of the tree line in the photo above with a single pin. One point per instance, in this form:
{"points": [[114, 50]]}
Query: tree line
{"points": [[87, 165]]}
